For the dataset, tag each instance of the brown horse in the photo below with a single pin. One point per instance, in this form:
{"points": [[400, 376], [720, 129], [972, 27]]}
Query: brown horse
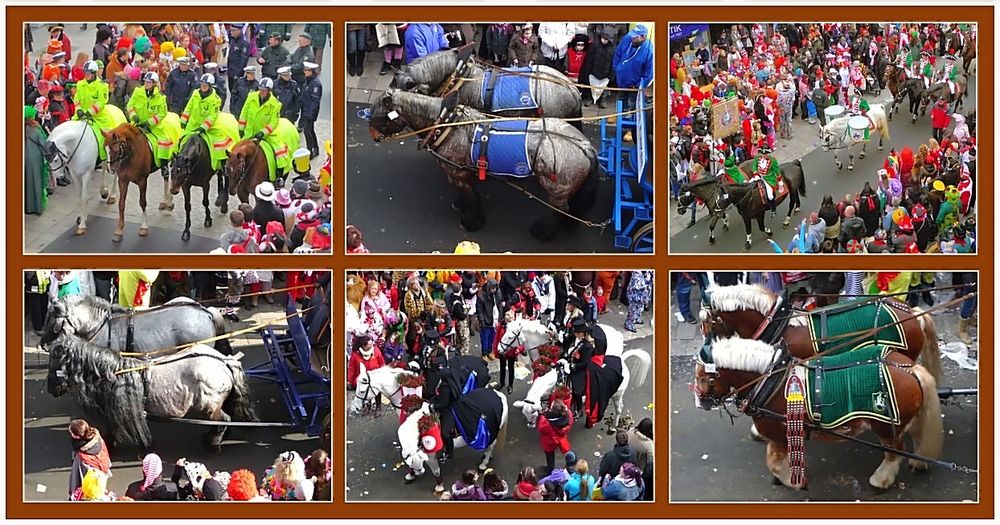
{"points": [[246, 167], [968, 54], [736, 363], [894, 78], [743, 309], [131, 159]]}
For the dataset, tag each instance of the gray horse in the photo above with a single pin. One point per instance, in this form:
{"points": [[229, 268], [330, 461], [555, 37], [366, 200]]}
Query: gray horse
{"points": [[178, 322], [198, 382], [562, 160], [554, 93]]}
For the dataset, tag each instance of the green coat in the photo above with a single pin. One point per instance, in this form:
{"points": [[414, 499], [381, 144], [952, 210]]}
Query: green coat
{"points": [[92, 98], [152, 110], [736, 174], [274, 57], [36, 171], [319, 34], [203, 113], [773, 170], [266, 117]]}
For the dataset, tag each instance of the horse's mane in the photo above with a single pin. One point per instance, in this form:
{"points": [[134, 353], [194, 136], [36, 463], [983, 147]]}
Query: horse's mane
{"points": [[419, 104], [409, 423], [746, 355], [434, 67], [91, 374], [741, 297]]}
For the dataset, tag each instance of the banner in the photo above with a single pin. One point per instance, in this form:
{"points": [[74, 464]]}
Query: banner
{"points": [[682, 31], [725, 118]]}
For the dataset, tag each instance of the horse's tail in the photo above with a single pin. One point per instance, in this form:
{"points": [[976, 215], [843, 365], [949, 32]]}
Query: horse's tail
{"points": [[222, 345], [927, 429], [642, 370], [930, 354], [502, 433], [883, 124], [802, 183], [585, 196], [238, 403]]}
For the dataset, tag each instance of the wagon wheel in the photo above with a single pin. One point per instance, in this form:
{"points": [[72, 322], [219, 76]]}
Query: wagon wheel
{"points": [[642, 239]]}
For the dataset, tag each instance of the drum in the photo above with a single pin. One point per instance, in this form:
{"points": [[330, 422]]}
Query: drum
{"points": [[834, 112], [857, 128]]}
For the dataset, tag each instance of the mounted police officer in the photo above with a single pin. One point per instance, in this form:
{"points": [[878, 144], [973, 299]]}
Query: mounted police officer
{"points": [[245, 84], [181, 82], [312, 97], [220, 85], [239, 54], [287, 92]]}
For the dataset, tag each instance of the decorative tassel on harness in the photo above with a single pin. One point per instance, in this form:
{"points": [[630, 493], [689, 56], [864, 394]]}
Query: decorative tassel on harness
{"points": [[795, 407]]}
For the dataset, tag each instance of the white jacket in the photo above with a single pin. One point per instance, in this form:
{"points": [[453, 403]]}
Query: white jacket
{"points": [[545, 292], [555, 37]]}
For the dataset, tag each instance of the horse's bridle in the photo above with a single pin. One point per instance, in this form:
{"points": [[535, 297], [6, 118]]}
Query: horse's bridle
{"points": [[123, 152], [66, 159], [504, 348], [369, 394]]}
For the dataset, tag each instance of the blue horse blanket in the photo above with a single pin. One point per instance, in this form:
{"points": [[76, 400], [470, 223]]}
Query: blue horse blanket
{"points": [[507, 91], [478, 417], [507, 149]]}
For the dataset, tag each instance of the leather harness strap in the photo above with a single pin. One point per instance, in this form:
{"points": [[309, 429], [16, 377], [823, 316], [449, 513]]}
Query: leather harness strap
{"points": [[129, 331], [488, 94]]}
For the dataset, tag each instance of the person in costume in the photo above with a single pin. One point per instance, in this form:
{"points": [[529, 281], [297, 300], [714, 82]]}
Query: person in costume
{"points": [[579, 357], [765, 168], [259, 120], [948, 213], [92, 105], [147, 110], [857, 104], [948, 73], [201, 117]]}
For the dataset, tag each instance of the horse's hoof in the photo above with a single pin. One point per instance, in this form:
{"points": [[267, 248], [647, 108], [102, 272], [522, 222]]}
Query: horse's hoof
{"points": [[112, 199], [438, 490], [775, 481], [746, 247], [850, 168], [840, 165], [163, 206], [105, 193], [208, 222], [785, 223], [186, 235], [143, 232], [769, 233], [224, 209], [407, 479], [80, 231], [711, 240], [862, 155], [798, 209], [725, 227], [610, 432], [219, 203], [166, 206], [880, 148], [117, 237]]}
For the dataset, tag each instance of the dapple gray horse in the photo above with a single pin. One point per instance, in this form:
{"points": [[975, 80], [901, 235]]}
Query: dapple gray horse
{"points": [[555, 93], [178, 322], [563, 160], [197, 382]]}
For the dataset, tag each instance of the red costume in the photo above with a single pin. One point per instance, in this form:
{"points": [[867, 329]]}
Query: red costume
{"points": [[553, 438], [354, 365]]}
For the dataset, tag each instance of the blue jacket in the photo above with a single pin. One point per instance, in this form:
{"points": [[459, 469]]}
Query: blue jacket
{"points": [[312, 96], [573, 486], [633, 65], [616, 490], [424, 39], [239, 55]]}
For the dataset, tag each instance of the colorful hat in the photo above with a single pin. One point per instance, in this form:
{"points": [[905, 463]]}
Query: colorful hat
{"points": [[142, 44], [178, 52], [938, 185], [905, 224], [167, 47], [283, 198], [124, 43]]}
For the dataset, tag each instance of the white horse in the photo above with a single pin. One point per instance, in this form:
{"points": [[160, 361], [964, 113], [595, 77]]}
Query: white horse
{"points": [[371, 383], [836, 135], [531, 405], [72, 148], [532, 333], [414, 455]]}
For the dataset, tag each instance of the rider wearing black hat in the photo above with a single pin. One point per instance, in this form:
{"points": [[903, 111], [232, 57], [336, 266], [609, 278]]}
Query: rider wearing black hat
{"points": [[442, 386], [579, 356], [574, 311]]}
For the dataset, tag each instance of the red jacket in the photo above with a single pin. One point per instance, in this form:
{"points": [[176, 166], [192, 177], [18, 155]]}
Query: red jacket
{"points": [[354, 365], [940, 117], [551, 437], [574, 62]]}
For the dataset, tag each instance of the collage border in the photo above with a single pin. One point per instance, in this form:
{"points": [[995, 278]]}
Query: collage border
{"points": [[661, 261]]}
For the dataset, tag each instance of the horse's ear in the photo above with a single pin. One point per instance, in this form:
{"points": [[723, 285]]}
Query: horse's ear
{"points": [[107, 134]]}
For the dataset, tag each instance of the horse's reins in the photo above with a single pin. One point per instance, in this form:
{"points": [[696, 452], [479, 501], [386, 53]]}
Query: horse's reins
{"points": [[862, 335], [531, 196], [66, 159]]}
